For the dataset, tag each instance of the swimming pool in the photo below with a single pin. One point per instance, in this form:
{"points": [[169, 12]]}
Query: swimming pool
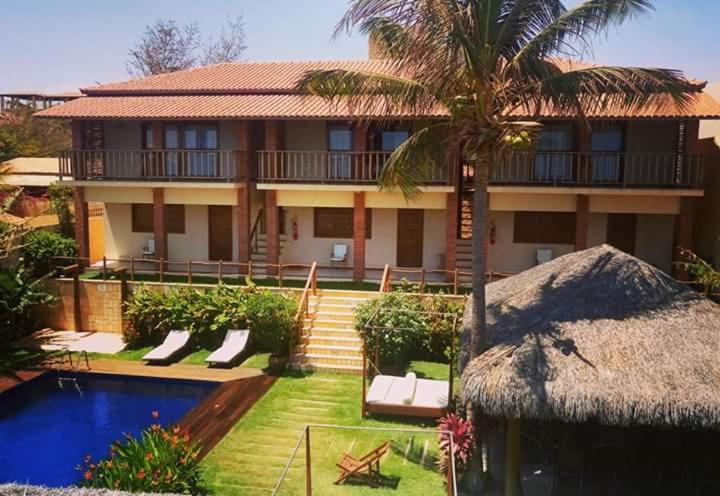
{"points": [[46, 430]]}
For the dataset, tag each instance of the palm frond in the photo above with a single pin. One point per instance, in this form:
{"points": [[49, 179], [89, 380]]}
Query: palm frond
{"points": [[364, 90], [593, 89], [415, 161], [571, 33]]}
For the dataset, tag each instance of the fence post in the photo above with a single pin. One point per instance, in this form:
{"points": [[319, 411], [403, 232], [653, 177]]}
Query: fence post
{"points": [[189, 272], [308, 464], [220, 271], [422, 280], [280, 275], [76, 299], [132, 269], [162, 267], [104, 270], [123, 296], [455, 281]]}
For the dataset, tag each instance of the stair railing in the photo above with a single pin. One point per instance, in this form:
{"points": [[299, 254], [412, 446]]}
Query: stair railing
{"points": [[303, 310], [254, 232]]}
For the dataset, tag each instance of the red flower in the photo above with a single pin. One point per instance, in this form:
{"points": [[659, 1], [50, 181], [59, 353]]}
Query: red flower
{"points": [[141, 474], [155, 427], [176, 429], [186, 437], [88, 475], [149, 456], [155, 414]]}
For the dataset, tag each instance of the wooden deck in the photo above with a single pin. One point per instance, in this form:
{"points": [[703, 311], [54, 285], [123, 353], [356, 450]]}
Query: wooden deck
{"points": [[10, 381], [209, 421], [173, 371]]}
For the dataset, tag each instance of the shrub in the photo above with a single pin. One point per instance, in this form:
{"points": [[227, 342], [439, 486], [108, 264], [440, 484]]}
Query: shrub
{"points": [[208, 314], [61, 197], [408, 326], [40, 245], [19, 298], [161, 460], [463, 436]]}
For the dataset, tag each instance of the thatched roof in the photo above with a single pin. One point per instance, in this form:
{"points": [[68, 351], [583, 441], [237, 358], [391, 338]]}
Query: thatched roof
{"points": [[599, 335]]}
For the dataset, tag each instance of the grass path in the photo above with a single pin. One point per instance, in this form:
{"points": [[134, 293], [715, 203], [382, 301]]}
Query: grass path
{"points": [[251, 458]]}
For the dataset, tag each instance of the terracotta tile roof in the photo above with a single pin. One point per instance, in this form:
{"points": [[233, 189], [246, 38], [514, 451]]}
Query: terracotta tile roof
{"points": [[231, 78], [255, 90], [209, 107]]}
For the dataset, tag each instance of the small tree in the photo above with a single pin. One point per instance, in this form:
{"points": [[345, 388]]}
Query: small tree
{"points": [[229, 47], [61, 198], [167, 47]]}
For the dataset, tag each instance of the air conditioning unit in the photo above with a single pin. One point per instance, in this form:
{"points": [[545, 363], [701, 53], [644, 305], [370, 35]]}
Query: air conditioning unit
{"points": [[544, 255]]}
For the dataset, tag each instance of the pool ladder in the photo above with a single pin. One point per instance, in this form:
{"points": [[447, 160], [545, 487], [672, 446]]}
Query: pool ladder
{"points": [[63, 379]]}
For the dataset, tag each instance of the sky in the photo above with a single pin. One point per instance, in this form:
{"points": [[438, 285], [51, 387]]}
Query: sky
{"points": [[51, 45]]}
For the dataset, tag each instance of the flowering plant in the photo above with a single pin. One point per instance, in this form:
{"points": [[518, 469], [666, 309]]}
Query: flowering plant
{"points": [[161, 460], [463, 439]]}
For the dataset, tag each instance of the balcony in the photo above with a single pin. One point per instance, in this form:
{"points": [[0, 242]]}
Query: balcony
{"points": [[153, 165], [325, 167], [611, 170]]}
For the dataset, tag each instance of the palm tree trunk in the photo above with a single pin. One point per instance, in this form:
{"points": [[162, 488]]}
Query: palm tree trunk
{"points": [[479, 253]]}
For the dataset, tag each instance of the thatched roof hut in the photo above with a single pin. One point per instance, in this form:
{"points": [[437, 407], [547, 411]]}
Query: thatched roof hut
{"points": [[599, 335]]}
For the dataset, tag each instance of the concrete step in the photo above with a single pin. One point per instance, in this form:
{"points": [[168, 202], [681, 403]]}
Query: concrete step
{"points": [[323, 314], [331, 350], [327, 360], [348, 293], [338, 300], [322, 322], [323, 340], [330, 332]]}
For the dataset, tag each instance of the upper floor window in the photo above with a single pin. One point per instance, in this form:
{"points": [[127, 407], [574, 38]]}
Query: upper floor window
{"points": [[392, 139], [554, 160], [606, 144], [340, 141]]}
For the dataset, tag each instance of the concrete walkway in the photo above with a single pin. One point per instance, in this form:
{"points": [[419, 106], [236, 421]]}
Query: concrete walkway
{"points": [[92, 342]]}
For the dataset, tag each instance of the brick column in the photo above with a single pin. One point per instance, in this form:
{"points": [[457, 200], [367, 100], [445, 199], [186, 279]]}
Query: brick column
{"points": [[359, 222], [242, 210], [272, 230], [82, 223], [683, 236], [451, 232], [582, 222], [159, 224]]}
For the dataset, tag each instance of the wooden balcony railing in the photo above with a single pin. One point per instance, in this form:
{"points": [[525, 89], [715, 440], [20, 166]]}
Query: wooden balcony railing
{"points": [[597, 169], [326, 167], [153, 165]]}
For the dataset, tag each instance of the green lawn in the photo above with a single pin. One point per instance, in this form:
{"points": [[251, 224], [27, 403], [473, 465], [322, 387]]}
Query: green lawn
{"points": [[251, 458]]}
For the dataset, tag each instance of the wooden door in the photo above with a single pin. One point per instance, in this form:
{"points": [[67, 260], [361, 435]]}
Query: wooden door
{"points": [[621, 230], [220, 232], [410, 238]]}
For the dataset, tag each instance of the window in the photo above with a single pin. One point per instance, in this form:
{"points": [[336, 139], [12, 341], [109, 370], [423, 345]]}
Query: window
{"points": [[607, 144], [148, 142], [544, 228], [553, 160], [142, 218], [393, 139], [338, 223], [175, 219], [340, 163]]}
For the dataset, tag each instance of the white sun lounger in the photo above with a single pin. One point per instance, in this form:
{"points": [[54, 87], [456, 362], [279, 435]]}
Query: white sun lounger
{"points": [[234, 344], [407, 395], [174, 342]]}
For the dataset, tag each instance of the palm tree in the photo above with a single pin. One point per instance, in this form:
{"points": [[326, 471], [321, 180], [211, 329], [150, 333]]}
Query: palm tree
{"points": [[484, 63]]}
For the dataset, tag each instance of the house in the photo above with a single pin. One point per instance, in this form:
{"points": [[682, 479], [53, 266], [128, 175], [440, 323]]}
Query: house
{"points": [[614, 394], [228, 162]]}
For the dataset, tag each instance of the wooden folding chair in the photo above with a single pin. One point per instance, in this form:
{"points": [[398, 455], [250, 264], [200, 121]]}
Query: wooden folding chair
{"points": [[366, 468]]}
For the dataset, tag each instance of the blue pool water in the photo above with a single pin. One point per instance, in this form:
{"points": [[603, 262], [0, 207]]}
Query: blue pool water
{"points": [[46, 431]]}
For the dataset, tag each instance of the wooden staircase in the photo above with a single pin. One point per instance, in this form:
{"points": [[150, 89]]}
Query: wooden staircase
{"points": [[328, 340]]}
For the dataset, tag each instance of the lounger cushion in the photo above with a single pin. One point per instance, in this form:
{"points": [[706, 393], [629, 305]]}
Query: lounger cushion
{"points": [[174, 342], [234, 344], [390, 390]]}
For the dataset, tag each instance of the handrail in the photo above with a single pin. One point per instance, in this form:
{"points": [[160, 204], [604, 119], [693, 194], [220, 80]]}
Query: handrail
{"points": [[304, 304], [385, 281], [254, 231]]}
